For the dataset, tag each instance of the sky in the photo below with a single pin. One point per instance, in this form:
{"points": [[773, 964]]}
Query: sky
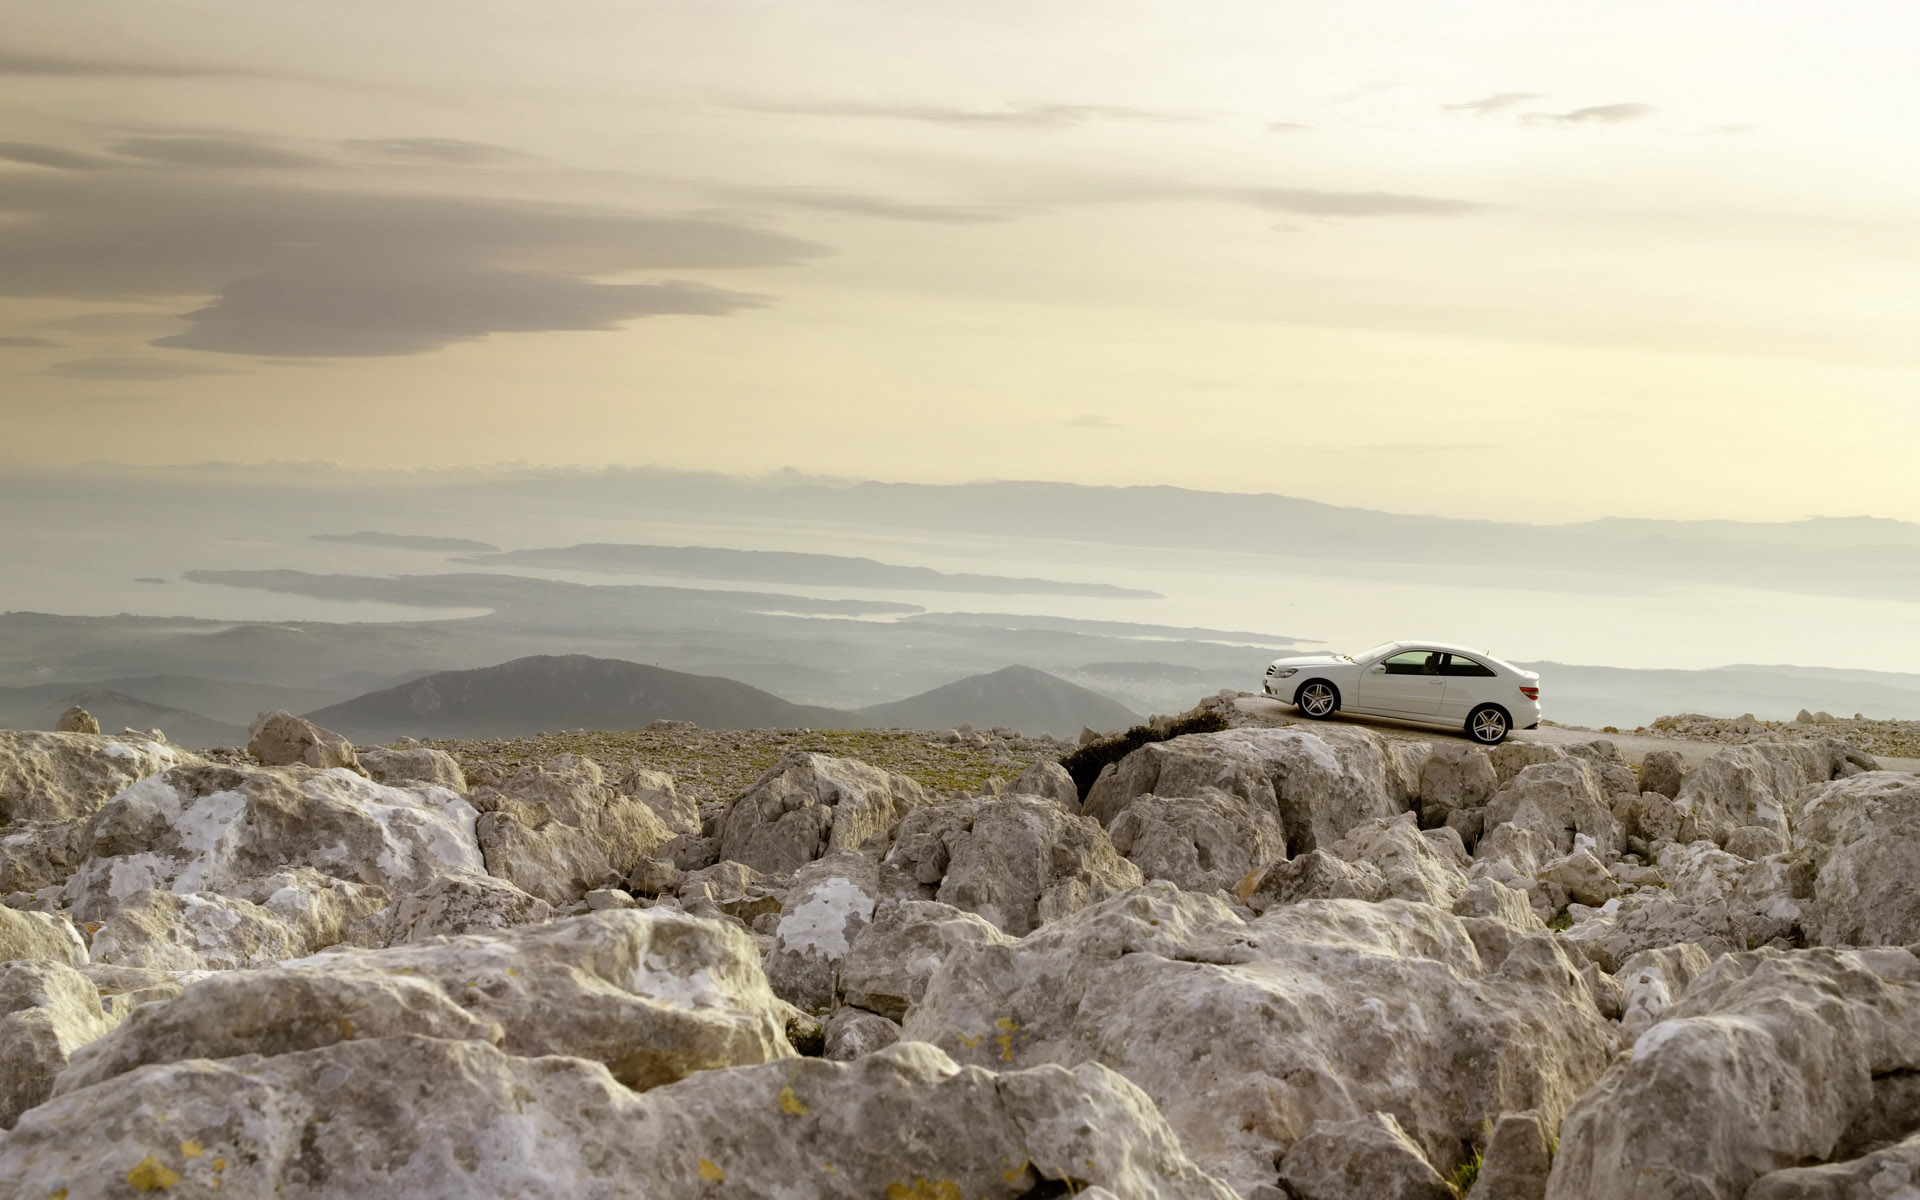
{"points": [[1491, 259]]}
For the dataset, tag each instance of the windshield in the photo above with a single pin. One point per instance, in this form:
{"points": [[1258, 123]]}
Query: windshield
{"points": [[1376, 652]]}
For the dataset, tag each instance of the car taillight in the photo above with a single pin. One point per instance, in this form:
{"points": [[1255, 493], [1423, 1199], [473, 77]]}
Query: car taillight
{"points": [[1531, 693]]}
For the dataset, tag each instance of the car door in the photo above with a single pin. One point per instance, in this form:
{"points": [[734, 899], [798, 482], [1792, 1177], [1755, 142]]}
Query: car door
{"points": [[1468, 683], [1406, 684]]}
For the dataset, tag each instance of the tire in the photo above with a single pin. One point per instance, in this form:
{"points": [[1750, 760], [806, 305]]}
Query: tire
{"points": [[1489, 724], [1317, 699]]}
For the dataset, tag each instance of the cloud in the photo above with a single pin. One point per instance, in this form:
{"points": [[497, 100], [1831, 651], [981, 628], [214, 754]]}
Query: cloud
{"points": [[26, 343], [434, 269], [115, 324], [34, 154], [131, 367], [1023, 116], [864, 205], [1093, 421], [210, 152], [1308, 202], [1493, 103], [1599, 114], [332, 306], [451, 151], [13, 62], [1288, 127], [1429, 447]]}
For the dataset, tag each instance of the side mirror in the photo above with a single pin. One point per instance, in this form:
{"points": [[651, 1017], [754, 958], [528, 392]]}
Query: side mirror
{"points": [[1378, 671]]}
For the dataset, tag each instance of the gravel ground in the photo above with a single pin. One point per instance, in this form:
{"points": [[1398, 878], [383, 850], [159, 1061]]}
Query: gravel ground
{"points": [[711, 765], [1882, 739]]}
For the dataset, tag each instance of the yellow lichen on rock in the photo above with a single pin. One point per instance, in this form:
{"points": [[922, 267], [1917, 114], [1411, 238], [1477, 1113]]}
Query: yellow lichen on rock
{"points": [[925, 1189], [152, 1175], [709, 1171], [191, 1149], [791, 1104]]}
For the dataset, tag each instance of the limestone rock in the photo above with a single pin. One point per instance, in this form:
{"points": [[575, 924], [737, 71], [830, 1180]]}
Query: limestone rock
{"points": [[735, 889], [210, 828], [76, 720], [1204, 843], [1860, 835], [557, 830], [853, 1032], [1245, 1033], [1518, 1156], [40, 854], [1414, 864], [197, 931], [47, 1011], [280, 739], [440, 1118], [653, 995], [65, 776], [1490, 899], [1559, 800], [890, 961], [1455, 777], [1585, 879], [1511, 758], [1315, 875], [1365, 1158], [657, 791], [39, 935], [1756, 842], [1662, 772], [1767, 1062], [832, 899], [413, 766], [457, 903], [808, 805], [1018, 862], [1649, 921], [1322, 783], [1653, 980], [1890, 1173], [1650, 816], [1760, 784], [1049, 780]]}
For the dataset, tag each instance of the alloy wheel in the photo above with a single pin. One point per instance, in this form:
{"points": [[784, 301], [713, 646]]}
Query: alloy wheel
{"points": [[1489, 726], [1317, 700]]}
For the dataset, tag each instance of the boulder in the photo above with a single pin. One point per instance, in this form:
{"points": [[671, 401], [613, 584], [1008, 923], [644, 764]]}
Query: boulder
{"points": [[1489, 899], [1203, 843], [1890, 1173], [39, 935], [1321, 783], [853, 1032], [1662, 772], [1414, 864], [211, 828], [653, 995], [58, 777], [1760, 784], [1365, 1158], [1648, 921], [40, 854], [557, 829], [735, 889], [1859, 834], [280, 739], [1518, 1157], [1653, 980], [832, 899], [1585, 879], [1046, 778], [1651, 816], [1559, 800], [1454, 777], [197, 931], [76, 720], [457, 903], [1770, 1060], [808, 805], [1315, 875], [1511, 758], [1019, 862], [47, 1011], [413, 766], [887, 967], [1247, 1032], [433, 1117]]}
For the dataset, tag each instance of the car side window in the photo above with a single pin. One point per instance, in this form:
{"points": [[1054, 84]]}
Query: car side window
{"points": [[1461, 666], [1414, 662]]}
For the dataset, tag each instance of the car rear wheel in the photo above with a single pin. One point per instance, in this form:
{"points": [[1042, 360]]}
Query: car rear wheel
{"points": [[1488, 724], [1317, 699]]}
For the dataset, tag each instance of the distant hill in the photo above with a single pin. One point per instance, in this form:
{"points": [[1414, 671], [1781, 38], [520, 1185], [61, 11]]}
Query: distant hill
{"points": [[407, 541], [1624, 697], [1021, 697], [551, 692], [40, 706]]}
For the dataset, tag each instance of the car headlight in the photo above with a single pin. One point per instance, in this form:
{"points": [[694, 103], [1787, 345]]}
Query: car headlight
{"points": [[1282, 672]]}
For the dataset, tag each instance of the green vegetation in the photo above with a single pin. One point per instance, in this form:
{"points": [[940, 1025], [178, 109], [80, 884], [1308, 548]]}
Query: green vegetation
{"points": [[1086, 763], [1466, 1174]]}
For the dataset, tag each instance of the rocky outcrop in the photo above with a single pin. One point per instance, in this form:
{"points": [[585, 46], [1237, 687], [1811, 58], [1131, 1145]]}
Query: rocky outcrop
{"points": [[831, 901], [557, 830], [890, 961], [47, 1011], [1366, 1158], [853, 1032], [808, 805], [76, 720], [655, 996], [280, 739], [413, 766], [1860, 835], [1561, 800], [1049, 780], [1019, 862], [1770, 1060], [39, 935], [1246, 1033], [1320, 783], [1381, 859], [423, 1116], [57, 777], [1454, 778], [1204, 843], [1762, 784]]}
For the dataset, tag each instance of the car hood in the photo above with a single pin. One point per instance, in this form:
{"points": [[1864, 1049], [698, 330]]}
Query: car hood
{"points": [[1314, 660]]}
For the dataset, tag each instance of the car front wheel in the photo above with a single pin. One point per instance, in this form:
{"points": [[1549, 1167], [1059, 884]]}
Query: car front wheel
{"points": [[1317, 699], [1488, 725]]}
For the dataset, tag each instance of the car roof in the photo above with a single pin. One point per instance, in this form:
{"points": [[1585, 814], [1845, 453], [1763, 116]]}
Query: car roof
{"points": [[1449, 647]]}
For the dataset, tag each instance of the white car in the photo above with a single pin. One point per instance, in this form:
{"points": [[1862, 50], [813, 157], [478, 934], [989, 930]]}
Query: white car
{"points": [[1428, 683]]}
